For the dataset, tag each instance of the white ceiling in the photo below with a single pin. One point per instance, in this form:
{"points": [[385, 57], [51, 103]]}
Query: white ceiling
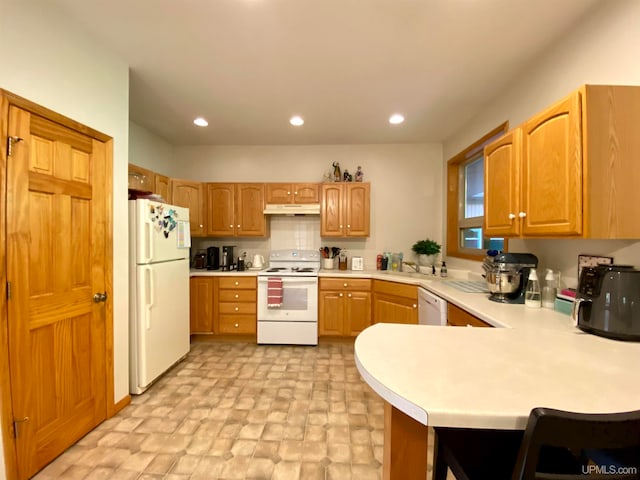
{"points": [[344, 65]]}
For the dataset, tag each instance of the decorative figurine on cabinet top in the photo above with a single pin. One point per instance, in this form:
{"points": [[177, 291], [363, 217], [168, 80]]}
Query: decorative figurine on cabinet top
{"points": [[337, 176], [347, 176], [359, 174]]}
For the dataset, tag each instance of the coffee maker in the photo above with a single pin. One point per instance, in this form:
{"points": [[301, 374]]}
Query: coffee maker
{"points": [[226, 260], [213, 258], [507, 275]]}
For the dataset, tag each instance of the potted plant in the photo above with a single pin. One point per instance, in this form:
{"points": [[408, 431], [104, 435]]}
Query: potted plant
{"points": [[426, 250]]}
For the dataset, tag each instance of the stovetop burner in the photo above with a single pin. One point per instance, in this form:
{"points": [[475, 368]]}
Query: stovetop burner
{"points": [[275, 269]]}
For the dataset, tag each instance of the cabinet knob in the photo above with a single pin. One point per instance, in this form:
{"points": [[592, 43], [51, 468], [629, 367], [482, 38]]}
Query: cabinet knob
{"points": [[345, 285], [511, 216], [295, 193], [236, 309], [288, 193], [349, 295], [237, 296], [341, 226], [341, 295], [201, 226], [348, 226], [522, 214], [230, 226], [415, 306], [237, 283], [237, 325], [238, 226]]}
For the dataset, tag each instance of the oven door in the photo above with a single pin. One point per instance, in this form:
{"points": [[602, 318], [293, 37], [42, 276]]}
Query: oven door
{"points": [[299, 300]]}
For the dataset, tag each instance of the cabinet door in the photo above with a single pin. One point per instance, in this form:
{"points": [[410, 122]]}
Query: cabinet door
{"points": [[357, 209], [220, 209], [391, 309], [330, 313], [189, 194], [249, 214], [279, 193], [358, 312], [331, 220], [306, 193], [461, 318], [141, 179], [163, 187], [201, 304], [552, 171], [502, 185]]}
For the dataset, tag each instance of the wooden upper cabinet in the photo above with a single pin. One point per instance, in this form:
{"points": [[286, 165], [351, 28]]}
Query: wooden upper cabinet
{"points": [[185, 193], [163, 187], [358, 210], [141, 179], [574, 174], [250, 218], [236, 209], [502, 185], [345, 210], [301, 193], [220, 209], [552, 170]]}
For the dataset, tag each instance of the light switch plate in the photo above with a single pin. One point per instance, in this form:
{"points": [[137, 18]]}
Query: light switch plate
{"points": [[357, 263]]}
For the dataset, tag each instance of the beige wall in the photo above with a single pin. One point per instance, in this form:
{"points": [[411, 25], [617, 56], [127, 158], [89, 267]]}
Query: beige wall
{"points": [[150, 151], [51, 61], [602, 49], [406, 186]]}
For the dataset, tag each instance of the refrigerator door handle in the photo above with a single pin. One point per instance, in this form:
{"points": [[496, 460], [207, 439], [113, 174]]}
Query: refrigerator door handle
{"points": [[147, 243], [148, 295]]}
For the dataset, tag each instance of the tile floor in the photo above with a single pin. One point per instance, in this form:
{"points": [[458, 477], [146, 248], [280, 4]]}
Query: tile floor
{"points": [[240, 411]]}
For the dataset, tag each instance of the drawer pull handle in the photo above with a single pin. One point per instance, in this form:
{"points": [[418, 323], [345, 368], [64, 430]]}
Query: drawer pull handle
{"points": [[415, 306], [349, 295], [344, 285], [236, 309], [237, 283], [237, 296], [236, 325], [340, 294]]}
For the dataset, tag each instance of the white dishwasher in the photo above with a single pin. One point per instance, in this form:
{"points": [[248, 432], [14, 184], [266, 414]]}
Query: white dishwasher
{"points": [[432, 310]]}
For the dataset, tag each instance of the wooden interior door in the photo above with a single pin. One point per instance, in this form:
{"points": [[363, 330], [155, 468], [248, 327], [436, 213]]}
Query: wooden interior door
{"points": [[56, 237]]}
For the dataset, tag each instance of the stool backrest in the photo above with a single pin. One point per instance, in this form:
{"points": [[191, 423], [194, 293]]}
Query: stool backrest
{"points": [[577, 432]]}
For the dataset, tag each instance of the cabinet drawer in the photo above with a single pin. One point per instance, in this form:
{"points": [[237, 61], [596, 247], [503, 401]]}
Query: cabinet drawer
{"points": [[397, 289], [361, 284], [237, 324], [237, 295], [237, 282], [237, 308]]}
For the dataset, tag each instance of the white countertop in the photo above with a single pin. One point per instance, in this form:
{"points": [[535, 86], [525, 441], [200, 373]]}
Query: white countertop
{"points": [[493, 377]]}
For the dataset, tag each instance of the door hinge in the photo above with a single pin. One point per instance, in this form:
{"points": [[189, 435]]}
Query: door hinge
{"points": [[8, 290], [11, 140]]}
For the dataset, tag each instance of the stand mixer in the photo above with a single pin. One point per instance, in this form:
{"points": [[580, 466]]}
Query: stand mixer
{"points": [[507, 275]]}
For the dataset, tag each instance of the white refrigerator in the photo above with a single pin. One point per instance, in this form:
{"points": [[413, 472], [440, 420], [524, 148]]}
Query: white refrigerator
{"points": [[159, 241]]}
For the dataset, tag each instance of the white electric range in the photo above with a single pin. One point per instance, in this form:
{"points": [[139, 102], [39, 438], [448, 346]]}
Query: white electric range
{"points": [[288, 298]]}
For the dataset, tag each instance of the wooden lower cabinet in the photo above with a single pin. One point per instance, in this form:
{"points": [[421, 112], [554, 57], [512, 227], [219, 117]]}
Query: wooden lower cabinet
{"points": [[201, 304], [458, 317], [394, 302], [236, 305], [344, 306]]}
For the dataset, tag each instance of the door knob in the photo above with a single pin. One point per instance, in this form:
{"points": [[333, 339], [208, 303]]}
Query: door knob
{"points": [[100, 297]]}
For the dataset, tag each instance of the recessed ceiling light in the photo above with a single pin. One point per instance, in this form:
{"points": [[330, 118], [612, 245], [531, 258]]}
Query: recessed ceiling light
{"points": [[201, 122], [396, 118], [296, 121]]}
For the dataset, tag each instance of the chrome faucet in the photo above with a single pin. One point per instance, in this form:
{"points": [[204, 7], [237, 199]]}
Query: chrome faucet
{"points": [[414, 266]]}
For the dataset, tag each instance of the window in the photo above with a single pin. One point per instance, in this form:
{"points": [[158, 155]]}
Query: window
{"points": [[465, 201]]}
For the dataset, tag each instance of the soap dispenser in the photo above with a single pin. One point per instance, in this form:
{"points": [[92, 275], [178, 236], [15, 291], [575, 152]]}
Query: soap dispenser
{"points": [[443, 269], [532, 297]]}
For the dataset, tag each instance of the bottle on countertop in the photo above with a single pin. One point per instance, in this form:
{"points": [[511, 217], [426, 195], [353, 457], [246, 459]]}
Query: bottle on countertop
{"points": [[549, 290], [443, 269], [532, 297], [379, 262]]}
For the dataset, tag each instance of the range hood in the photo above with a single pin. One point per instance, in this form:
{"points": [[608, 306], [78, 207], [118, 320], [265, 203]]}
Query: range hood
{"points": [[292, 209]]}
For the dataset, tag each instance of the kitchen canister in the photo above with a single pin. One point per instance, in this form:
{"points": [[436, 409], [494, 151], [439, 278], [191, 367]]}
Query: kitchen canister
{"points": [[328, 263]]}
